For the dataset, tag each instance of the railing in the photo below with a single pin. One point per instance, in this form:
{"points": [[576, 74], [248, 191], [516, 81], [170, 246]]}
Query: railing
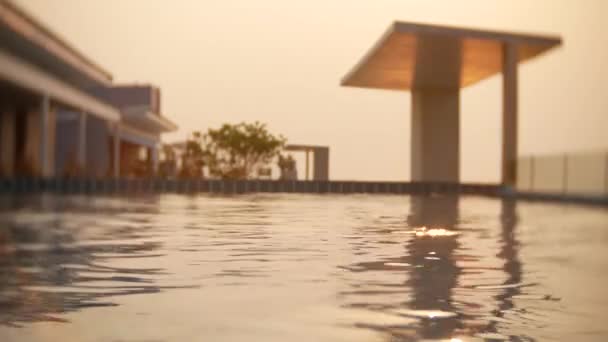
{"points": [[129, 187], [572, 174], [134, 186]]}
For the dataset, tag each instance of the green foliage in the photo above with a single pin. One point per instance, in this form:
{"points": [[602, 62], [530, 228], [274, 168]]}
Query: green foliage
{"points": [[193, 157], [167, 165], [237, 151], [168, 151], [288, 167], [286, 162]]}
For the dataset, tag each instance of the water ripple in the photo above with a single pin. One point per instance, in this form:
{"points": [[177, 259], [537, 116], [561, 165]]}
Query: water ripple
{"points": [[273, 267]]}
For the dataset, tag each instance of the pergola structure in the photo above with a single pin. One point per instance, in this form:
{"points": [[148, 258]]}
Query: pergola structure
{"points": [[434, 63], [320, 160]]}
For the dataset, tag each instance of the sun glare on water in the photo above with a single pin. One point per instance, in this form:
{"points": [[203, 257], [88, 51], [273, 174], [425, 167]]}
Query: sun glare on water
{"points": [[434, 232]]}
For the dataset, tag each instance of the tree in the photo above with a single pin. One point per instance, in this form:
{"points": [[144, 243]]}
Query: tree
{"points": [[167, 166], [287, 165], [192, 158], [238, 151]]}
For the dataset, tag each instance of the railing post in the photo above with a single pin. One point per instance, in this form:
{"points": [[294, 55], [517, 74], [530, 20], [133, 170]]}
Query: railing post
{"points": [[532, 172], [606, 175], [565, 175]]}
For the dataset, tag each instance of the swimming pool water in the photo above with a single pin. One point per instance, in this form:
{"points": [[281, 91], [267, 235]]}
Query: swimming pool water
{"points": [[278, 267]]}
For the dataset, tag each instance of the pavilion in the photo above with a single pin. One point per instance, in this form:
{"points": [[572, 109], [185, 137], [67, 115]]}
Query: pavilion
{"points": [[434, 63], [320, 156]]}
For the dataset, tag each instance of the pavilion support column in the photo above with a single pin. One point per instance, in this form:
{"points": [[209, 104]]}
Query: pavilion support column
{"points": [[153, 159], [7, 145], [307, 164], [47, 138], [116, 152], [509, 115], [435, 135], [320, 163], [82, 143]]}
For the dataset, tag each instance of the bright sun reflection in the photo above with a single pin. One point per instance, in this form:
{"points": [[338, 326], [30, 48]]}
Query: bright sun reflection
{"points": [[455, 340], [434, 232]]}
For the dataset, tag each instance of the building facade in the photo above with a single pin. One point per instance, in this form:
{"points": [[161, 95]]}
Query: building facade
{"points": [[61, 114]]}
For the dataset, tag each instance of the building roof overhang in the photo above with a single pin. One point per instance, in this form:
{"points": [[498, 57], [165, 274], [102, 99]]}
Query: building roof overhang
{"points": [[27, 38], [303, 148], [144, 119], [411, 56]]}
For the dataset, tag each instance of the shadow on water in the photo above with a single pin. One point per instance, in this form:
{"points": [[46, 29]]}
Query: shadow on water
{"points": [[432, 265], [45, 271]]}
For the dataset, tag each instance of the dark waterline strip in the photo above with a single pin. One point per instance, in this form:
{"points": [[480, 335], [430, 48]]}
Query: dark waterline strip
{"points": [[143, 186]]}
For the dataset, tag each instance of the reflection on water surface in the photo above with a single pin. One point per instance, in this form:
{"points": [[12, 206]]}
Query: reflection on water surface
{"points": [[300, 267]]}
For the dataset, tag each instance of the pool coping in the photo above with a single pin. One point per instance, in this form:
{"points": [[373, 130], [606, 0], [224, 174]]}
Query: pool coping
{"points": [[214, 186]]}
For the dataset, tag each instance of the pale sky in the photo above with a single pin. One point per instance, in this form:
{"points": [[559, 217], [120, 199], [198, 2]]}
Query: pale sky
{"points": [[280, 62]]}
